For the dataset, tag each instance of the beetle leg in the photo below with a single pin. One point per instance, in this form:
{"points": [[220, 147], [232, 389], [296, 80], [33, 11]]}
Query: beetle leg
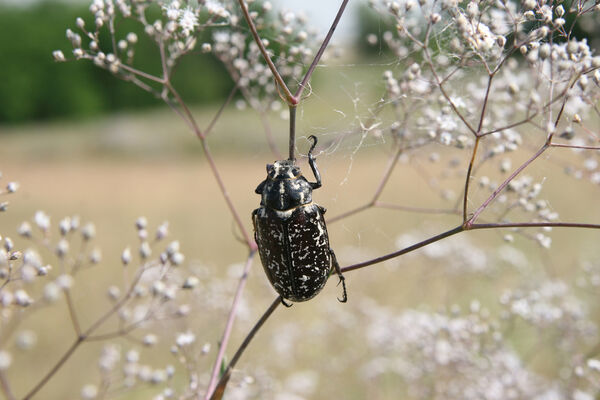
{"points": [[288, 305], [336, 266], [313, 165]]}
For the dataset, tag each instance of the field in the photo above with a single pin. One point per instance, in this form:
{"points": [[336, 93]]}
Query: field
{"points": [[116, 168]]}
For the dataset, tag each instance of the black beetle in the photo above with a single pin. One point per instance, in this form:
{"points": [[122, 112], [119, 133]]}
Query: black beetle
{"points": [[291, 234]]}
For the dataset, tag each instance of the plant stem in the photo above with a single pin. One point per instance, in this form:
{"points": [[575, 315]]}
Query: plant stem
{"points": [[321, 50], [292, 143], [220, 389], [504, 184], [5, 386], [468, 178], [408, 249], [289, 97], [229, 325], [56, 367]]}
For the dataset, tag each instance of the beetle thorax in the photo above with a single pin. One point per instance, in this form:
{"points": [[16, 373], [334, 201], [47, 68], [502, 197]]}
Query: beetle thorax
{"points": [[285, 188]]}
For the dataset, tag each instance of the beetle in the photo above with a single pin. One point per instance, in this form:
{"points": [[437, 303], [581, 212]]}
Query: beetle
{"points": [[290, 232]]}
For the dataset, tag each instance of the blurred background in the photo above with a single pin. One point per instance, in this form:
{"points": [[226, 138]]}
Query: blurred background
{"points": [[81, 142]]}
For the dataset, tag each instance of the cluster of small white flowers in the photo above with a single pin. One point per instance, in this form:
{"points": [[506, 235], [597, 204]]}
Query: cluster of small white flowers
{"points": [[457, 255], [177, 30], [294, 43], [466, 353], [124, 370], [550, 304], [452, 59], [521, 201]]}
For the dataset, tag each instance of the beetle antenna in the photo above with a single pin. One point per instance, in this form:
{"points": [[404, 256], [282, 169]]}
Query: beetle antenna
{"points": [[313, 165]]}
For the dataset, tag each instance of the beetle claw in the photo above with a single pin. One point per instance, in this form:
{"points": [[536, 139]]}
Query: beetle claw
{"points": [[344, 295], [288, 305]]}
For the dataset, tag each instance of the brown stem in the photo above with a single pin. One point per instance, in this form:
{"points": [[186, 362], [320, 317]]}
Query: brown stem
{"points": [[408, 249], [468, 178], [221, 109], [5, 386], [211, 162], [572, 146], [505, 183], [72, 314], [229, 326], [55, 368], [220, 389], [292, 141], [321, 50], [289, 97], [534, 225]]}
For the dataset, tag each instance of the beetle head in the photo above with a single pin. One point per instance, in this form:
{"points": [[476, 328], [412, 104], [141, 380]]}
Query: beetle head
{"points": [[283, 169]]}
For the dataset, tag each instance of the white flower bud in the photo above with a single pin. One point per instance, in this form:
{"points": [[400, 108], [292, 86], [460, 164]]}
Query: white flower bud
{"points": [[64, 225], [12, 187], [5, 360], [88, 231], [132, 38], [62, 248], [42, 220], [560, 10], [206, 47], [24, 229], [64, 281], [141, 223], [80, 23], [126, 256], [150, 340], [58, 56], [177, 258], [114, 292], [95, 256], [26, 339], [173, 247], [190, 282], [89, 392], [22, 298], [162, 231], [145, 250]]}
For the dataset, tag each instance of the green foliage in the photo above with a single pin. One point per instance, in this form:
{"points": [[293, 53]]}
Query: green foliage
{"points": [[35, 87]]}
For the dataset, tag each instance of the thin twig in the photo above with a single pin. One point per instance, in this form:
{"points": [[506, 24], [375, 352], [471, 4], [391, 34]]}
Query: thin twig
{"points": [[534, 225], [289, 97], [55, 368], [219, 390], [229, 326], [505, 183], [292, 140], [572, 146], [321, 50], [221, 109], [408, 249], [5, 386], [468, 178]]}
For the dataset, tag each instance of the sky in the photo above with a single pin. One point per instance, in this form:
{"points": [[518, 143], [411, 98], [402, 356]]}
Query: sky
{"points": [[322, 12]]}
